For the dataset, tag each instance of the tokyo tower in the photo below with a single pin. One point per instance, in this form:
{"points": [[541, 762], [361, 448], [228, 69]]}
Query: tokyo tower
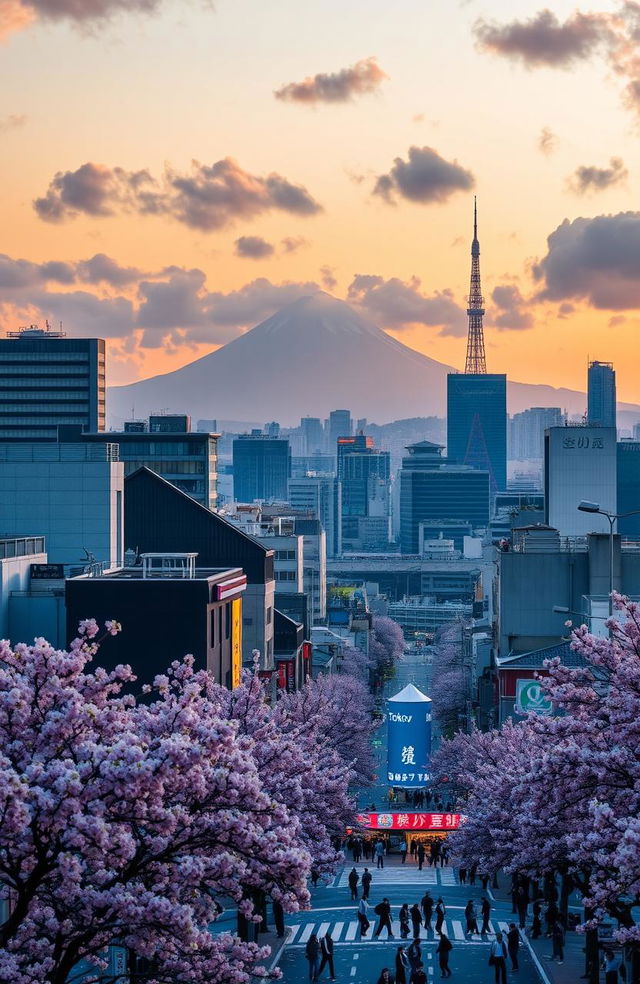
{"points": [[475, 361]]}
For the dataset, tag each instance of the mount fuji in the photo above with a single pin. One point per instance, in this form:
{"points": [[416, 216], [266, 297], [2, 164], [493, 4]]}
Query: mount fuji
{"points": [[315, 354]]}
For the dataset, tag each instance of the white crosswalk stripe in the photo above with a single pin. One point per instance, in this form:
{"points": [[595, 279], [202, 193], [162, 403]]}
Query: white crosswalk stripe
{"points": [[453, 928], [407, 874]]}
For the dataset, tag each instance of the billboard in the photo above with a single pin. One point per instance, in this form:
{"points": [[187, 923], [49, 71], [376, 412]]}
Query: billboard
{"points": [[409, 738], [409, 821], [531, 697], [236, 642]]}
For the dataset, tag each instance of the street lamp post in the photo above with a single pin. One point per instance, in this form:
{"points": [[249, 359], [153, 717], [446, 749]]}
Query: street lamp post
{"points": [[594, 507]]}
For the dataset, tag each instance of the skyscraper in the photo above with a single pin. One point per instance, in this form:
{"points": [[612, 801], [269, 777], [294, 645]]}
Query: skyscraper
{"points": [[601, 394], [365, 476], [312, 434], [340, 425], [47, 379], [261, 467], [477, 400]]}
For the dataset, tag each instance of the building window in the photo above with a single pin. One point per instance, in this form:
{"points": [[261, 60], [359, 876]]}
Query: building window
{"points": [[269, 616], [247, 621], [212, 617], [227, 620]]}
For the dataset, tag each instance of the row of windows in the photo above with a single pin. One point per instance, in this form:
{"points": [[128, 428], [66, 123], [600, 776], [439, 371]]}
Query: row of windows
{"points": [[53, 384], [69, 418], [159, 449], [29, 407], [168, 467], [44, 357], [286, 576], [40, 370], [286, 555]]}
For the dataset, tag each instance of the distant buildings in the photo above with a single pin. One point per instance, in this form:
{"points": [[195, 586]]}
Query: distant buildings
{"points": [[526, 432], [320, 496], [47, 380], [365, 477], [432, 489], [580, 464], [312, 435], [340, 424], [601, 394], [261, 467], [628, 491], [477, 423]]}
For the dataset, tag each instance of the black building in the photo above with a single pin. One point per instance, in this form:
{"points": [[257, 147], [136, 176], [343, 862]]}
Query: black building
{"points": [[165, 611], [477, 423], [261, 467], [47, 380], [289, 641]]}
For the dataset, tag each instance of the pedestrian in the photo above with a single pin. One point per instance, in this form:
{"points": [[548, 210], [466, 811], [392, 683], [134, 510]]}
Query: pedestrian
{"points": [[513, 944], [498, 959], [366, 849], [383, 911], [421, 854], [472, 873], [418, 975], [536, 929], [426, 904], [611, 967], [551, 916], [416, 919], [403, 854], [413, 847], [557, 938], [435, 852], [326, 949], [312, 953], [522, 903], [386, 977], [315, 874], [404, 922], [363, 916], [414, 953], [484, 878], [356, 849], [441, 912], [470, 916], [462, 876], [354, 878], [366, 883], [443, 950], [485, 909], [378, 853], [403, 967], [444, 855], [278, 917]]}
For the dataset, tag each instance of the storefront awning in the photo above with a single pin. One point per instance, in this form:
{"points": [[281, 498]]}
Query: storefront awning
{"points": [[409, 821]]}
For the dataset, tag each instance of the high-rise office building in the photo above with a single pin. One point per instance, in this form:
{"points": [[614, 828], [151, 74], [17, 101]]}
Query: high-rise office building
{"points": [[261, 467], [312, 435], [340, 425], [628, 472], [432, 489], [579, 464], [477, 400], [526, 432], [321, 497], [601, 394], [46, 380], [365, 476]]}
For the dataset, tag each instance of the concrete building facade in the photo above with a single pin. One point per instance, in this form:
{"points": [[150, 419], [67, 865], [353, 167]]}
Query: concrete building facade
{"points": [[580, 464]]}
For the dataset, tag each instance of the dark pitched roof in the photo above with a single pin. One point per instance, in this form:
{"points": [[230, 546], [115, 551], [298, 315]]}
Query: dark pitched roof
{"points": [[534, 660]]}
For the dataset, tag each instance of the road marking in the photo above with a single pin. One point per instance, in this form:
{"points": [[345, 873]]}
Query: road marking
{"points": [[351, 931], [323, 929], [337, 929], [458, 931], [306, 933], [353, 971], [293, 932]]}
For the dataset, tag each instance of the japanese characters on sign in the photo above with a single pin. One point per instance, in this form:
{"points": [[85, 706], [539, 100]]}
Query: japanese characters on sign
{"points": [[409, 821], [583, 442], [409, 745]]}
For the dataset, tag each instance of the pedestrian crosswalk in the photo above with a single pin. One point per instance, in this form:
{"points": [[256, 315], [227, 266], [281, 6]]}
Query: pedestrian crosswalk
{"points": [[403, 874], [349, 932]]}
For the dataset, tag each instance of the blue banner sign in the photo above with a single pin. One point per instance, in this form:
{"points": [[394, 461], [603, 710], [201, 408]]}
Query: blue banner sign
{"points": [[409, 739]]}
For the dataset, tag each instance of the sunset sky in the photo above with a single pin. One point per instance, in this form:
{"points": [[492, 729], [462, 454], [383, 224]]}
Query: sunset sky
{"points": [[176, 171]]}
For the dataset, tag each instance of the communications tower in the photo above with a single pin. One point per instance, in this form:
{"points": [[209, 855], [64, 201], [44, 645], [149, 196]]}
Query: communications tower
{"points": [[475, 362]]}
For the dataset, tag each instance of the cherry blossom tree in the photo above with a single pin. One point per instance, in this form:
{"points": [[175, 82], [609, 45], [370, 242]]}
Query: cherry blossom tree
{"points": [[451, 684], [387, 640], [124, 821]]}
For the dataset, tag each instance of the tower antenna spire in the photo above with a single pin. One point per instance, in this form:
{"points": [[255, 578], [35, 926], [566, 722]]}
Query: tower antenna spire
{"points": [[476, 361]]}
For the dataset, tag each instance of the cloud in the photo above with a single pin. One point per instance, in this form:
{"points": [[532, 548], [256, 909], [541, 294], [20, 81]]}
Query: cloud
{"points": [[597, 260], [253, 247], [17, 14], [85, 314], [327, 277], [360, 79], [399, 304], [206, 198], [14, 120], [102, 269], [291, 244], [591, 179], [509, 313], [256, 301], [425, 177], [14, 16], [547, 141], [543, 39]]}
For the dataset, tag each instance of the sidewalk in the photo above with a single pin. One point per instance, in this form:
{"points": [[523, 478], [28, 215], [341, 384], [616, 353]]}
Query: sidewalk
{"points": [[571, 969]]}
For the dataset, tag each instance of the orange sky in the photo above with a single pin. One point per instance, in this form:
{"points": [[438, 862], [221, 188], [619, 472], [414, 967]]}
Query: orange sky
{"points": [[154, 92]]}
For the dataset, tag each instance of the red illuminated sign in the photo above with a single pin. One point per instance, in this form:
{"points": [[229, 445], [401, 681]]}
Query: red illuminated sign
{"points": [[410, 821]]}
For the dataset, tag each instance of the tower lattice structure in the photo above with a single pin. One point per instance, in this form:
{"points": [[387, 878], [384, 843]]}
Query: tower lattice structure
{"points": [[476, 361]]}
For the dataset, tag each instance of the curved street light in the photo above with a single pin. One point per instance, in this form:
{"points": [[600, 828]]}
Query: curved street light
{"points": [[594, 507]]}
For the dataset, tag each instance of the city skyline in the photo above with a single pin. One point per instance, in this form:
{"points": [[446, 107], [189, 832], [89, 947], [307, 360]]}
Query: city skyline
{"points": [[339, 160]]}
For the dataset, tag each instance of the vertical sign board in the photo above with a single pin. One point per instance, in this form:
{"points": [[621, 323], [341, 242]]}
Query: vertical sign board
{"points": [[236, 642], [531, 697], [409, 738]]}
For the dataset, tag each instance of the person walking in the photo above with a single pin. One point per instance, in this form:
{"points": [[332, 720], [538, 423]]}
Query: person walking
{"points": [[536, 929], [513, 945], [421, 854], [386, 977], [443, 949], [462, 875], [434, 852], [414, 953], [363, 917], [366, 883], [404, 847], [484, 878], [470, 916], [485, 910], [315, 874], [522, 904], [551, 916], [498, 958], [557, 938], [326, 949], [441, 912], [413, 847], [418, 975], [473, 870], [403, 967], [404, 922], [611, 967], [426, 904], [278, 917], [378, 853], [383, 911], [312, 953], [354, 878], [416, 919], [357, 850]]}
